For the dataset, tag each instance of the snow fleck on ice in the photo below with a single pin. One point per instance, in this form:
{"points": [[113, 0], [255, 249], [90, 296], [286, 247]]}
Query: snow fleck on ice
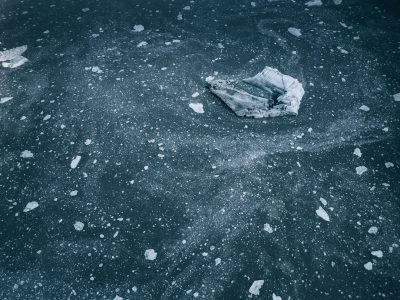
{"points": [[357, 152], [268, 228], [361, 169], [197, 107], [78, 225], [142, 44], [196, 94], [368, 266], [314, 3], [5, 99], [75, 161], [396, 97], [294, 31], [373, 230], [26, 154], [31, 206], [364, 108], [322, 214], [377, 253], [138, 28], [150, 254], [73, 193], [255, 287]]}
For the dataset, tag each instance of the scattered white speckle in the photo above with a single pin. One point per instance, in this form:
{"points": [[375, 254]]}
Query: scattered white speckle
{"points": [[361, 169], [217, 261], [138, 28], [47, 117], [364, 108], [275, 297], [197, 107], [142, 44], [150, 254], [5, 99], [314, 3], [255, 287], [26, 154], [396, 97], [357, 152], [389, 165], [88, 142], [78, 225], [377, 253], [368, 266], [31, 206], [75, 161], [86, 9], [196, 94], [73, 193], [268, 228], [373, 230], [322, 214], [294, 31]]}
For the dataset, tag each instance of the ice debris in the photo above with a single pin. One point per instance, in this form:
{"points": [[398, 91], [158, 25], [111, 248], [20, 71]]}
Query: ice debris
{"points": [[255, 287], [26, 154], [31, 206], [322, 214], [268, 228], [150, 254], [294, 31], [138, 28], [281, 94], [197, 107], [5, 99], [396, 97], [368, 266], [360, 170], [12, 58], [75, 161], [314, 3], [78, 225]]}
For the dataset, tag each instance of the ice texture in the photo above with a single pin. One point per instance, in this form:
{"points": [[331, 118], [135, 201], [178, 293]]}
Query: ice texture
{"points": [[285, 94], [13, 58]]}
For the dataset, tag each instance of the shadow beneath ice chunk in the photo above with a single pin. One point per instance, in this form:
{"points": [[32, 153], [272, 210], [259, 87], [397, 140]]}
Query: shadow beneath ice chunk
{"points": [[267, 94]]}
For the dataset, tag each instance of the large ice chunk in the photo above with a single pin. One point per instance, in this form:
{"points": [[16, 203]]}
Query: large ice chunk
{"points": [[280, 94], [13, 58]]}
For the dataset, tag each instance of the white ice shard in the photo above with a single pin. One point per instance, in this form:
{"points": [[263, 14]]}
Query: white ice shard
{"points": [[13, 58], [255, 287], [281, 94]]}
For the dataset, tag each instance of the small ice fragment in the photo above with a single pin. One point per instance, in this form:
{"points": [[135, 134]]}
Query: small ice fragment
{"points": [[197, 107], [15, 62], [78, 225], [217, 261], [47, 117], [142, 44], [26, 154], [86, 9], [88, 142], [377, 253], [196, 94], [314, 3], [360, 170], [150, 254], [275, 297], [322, 214], [75, 161], [179, 17], [373, 230], [186, 8], [268, 228], [97, 70], [46, 32], [31, 206], [138, 28], [294, 31], [337, 2], [368, 266], [253, 4], [146, 168], [357, 152], [209, 78], [255, 287], [118, 298], [389, 165], [364, 108], [396, 97], [323, 201], [5, 99], [73, 193], [12, 53]]}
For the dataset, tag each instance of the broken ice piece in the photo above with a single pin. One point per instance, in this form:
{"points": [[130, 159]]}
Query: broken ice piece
{"points": [[364, 108], [322, 214], [396, 97], [360, 170], [357, 152], [31, 206], [78, 225], [368, 266], [13, 58], [150, 254], [314, 3], [255, 287], [373, 230], [138, 28], [5, 99], [294, 31], [197, 107], [280, 94], [268, 228]]}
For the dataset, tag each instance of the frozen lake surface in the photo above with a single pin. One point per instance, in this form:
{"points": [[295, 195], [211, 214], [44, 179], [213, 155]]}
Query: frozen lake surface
{"points": [[123, 177]]}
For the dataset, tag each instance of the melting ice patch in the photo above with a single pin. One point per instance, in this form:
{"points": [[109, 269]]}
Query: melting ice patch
{"points": [[12, 58], [281, 94], [255, 287]]}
